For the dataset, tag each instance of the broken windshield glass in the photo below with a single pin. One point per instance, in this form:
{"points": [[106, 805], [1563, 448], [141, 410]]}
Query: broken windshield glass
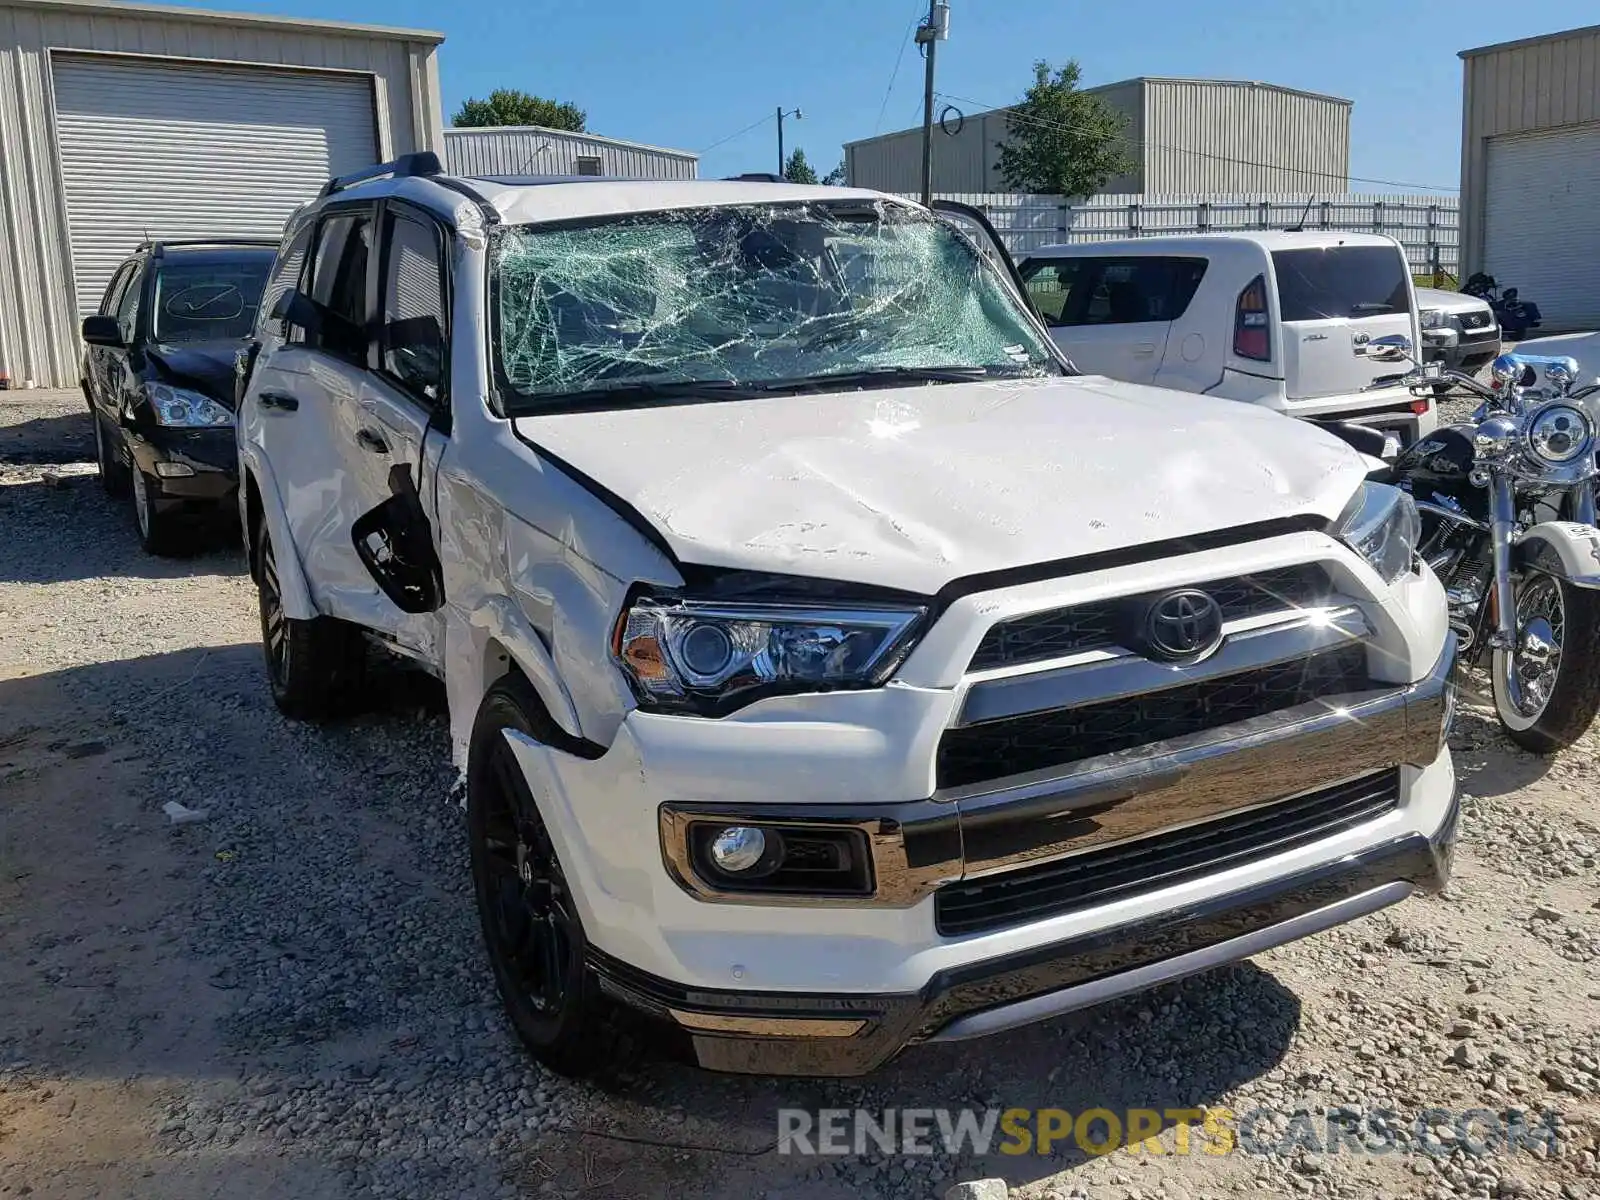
{"points": [[760, 296]]}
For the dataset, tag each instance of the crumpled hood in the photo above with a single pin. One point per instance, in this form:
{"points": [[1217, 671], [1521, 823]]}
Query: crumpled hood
{"points": [[206, 367], [912, 488]]}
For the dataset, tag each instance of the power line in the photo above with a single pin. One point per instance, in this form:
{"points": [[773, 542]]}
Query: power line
{"points": [[1241, 162], [916, 13], [741, 133]]}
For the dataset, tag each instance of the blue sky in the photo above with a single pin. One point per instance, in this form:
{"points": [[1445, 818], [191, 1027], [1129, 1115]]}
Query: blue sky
{"points": [[688, 73]]}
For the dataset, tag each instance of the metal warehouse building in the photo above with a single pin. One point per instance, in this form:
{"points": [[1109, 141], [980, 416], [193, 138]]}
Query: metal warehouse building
{"points": [[1188, 136], [1530, 171], [535, 150], [125, 121]]}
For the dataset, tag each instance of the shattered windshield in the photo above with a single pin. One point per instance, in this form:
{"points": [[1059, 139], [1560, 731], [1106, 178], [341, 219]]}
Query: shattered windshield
{"points": [[763, 296]]}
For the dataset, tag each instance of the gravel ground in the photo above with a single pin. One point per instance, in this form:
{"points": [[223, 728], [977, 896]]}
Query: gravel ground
{"points": [[288, 997]]}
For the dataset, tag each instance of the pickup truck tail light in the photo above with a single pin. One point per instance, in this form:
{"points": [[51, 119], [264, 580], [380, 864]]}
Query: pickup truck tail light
{"points": [[1251, 333]]}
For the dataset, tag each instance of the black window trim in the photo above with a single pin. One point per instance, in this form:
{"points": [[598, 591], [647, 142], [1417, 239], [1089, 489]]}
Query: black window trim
{"points": [[440, 410]]}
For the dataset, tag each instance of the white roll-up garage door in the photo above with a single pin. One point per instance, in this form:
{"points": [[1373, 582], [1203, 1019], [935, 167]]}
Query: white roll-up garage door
{"points": [[156, 149], [1541, 226]]}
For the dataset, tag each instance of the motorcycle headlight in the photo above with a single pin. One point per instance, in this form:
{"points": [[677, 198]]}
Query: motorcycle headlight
{"points": [[184, 409], [1432, 318], [1559, 433], [1381, 524], [708, 657]]}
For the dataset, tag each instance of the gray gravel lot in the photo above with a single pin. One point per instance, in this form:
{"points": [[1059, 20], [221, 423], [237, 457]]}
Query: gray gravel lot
{"points": [[288, 998]]}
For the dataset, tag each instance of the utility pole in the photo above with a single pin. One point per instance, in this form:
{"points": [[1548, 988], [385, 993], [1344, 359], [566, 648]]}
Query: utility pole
{"points": [[928, 36], [797, 115]]}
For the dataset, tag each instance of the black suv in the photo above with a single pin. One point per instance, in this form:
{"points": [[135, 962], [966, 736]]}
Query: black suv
{"points": [[158, 373]]}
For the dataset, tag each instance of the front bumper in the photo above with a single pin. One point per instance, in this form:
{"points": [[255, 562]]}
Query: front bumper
{"points": [[783, 1033], [193, 470]]}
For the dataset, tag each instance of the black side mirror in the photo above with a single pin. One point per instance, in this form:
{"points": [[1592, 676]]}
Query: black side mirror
{"points": [[103, 331]]}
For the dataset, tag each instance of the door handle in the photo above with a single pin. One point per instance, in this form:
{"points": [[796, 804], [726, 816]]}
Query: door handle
{"points": [[1145, 348], [278, 401], [371, 439]]}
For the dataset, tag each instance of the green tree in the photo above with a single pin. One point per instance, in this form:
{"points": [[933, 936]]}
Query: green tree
{"points": [[1063, 141], [797, 169], [508, 106], [836, 177]]}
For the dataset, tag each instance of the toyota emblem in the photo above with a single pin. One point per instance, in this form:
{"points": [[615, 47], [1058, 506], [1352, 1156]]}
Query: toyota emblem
{"points": [[1184, 625]]}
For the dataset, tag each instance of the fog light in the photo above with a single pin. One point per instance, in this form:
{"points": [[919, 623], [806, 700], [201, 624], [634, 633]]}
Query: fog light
{"points": [[174, 470], [738, 848]]}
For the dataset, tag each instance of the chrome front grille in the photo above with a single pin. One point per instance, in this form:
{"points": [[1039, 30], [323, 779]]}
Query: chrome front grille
{"points": [[1162, 859], [1039, 637], [1058, 737]]}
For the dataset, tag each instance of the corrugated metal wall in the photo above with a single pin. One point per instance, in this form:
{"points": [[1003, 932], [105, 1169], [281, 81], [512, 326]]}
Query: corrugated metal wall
{"points": [[532, 150], [1243, 137], [1522, 87], [1187, 135], [38, 309], [966, 148]]}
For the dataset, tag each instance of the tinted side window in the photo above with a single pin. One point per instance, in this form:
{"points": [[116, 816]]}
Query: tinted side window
{"points": [[1130, 291], [110, 302], [339, 283], [415, 323], [286, 275], [1050, 283], [1340, 281]]}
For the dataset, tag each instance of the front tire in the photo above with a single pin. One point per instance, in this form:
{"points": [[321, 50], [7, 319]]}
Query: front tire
{"points": [[1547, 691], [160, 534], [316, 667], [531, 926]]}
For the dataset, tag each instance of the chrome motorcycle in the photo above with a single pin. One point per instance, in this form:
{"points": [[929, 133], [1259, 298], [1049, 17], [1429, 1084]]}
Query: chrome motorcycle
{"points": [[1507, 502]]}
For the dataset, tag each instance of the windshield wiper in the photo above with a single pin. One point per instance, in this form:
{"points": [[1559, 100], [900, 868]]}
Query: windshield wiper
{"points": [[884, 377], [625, 392]]}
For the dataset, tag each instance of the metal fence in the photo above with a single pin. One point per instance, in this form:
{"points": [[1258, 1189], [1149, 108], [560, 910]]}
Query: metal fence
{"points": [[1427, 226]]}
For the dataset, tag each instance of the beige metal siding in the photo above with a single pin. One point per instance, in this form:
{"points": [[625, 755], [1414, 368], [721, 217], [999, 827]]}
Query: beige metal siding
{"points": [[532, 150], [1243, 137], [38, 306], [1185, 136], [1524, 87]]}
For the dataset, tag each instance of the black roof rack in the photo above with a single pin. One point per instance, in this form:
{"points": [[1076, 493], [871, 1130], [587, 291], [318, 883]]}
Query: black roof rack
{"points": [[423, 162]]}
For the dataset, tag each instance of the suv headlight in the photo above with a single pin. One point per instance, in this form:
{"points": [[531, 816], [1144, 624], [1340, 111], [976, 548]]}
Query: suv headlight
{"points": [[1381, 524], [1432, 318], [707, 657], [1559, 433], [184, 409]]}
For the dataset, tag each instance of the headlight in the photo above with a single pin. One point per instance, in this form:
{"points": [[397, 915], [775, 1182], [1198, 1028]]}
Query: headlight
{"points": [[1432, 318], [1559, 433], [187, 410], [1381, 524], [708, 657]]}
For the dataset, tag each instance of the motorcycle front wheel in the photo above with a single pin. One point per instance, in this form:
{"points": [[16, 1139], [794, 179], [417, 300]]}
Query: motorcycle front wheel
{"points": [[1547, 689]]}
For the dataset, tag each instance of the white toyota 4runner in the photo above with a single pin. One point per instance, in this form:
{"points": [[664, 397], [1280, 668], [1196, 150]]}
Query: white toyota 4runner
{"points": [[830, 669]]}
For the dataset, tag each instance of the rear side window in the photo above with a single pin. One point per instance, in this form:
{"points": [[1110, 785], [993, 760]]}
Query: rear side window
{"points": [[128, 304], [1127, 291], [286, 273], [113, 296], [1340, 281]]}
